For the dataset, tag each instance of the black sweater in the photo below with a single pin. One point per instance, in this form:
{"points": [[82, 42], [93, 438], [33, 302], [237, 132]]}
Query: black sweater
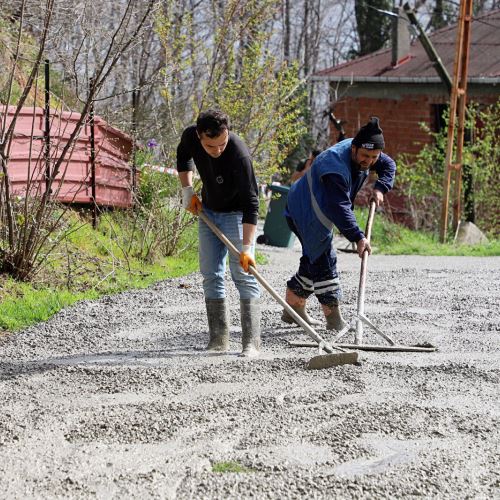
{"points": [[229, 183]]}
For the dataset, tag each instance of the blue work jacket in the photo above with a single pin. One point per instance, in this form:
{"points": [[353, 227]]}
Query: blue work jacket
{"points": [[335, 182]]}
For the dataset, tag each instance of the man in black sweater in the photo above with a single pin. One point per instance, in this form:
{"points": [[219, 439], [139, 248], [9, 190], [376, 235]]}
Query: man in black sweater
{"points": [[229, 198]]}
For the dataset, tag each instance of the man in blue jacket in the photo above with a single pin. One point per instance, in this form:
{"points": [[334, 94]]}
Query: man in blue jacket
{"points": [[324, 198]]}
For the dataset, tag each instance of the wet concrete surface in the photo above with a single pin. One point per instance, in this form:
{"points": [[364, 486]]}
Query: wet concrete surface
{"points": [[116, 398]]}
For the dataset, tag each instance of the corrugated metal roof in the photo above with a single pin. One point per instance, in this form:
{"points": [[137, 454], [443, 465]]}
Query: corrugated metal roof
{"points": [[484, 56]]}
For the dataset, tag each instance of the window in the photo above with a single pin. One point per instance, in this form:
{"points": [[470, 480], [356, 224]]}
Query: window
{"points": [[437, 113]]}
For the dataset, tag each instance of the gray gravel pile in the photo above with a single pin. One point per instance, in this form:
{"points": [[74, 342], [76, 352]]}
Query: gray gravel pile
{"points": [[116, 398]]}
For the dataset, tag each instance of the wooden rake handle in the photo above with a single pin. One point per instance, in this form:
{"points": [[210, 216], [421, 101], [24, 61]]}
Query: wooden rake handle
{"points": [[364, 259]]}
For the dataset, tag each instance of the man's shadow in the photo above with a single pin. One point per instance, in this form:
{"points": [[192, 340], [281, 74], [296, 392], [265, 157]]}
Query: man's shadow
{"points": [[193, 346]]}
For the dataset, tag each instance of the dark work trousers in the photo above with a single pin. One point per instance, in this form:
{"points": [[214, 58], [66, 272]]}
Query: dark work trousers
{"points": [[319, 277]]}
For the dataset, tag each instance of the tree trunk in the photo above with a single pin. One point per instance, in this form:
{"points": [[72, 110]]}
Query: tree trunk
{"points": [[374, 28], [286, 30]]}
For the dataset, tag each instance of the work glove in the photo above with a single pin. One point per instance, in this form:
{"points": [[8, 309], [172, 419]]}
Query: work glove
{"points": [[246, 258], [190, 200]]}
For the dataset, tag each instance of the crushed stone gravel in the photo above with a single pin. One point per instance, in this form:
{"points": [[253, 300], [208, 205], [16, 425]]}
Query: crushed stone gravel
{"points": [[116, 398]]}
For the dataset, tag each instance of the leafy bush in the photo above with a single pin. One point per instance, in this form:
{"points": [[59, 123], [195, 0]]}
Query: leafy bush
{"points": [[263, 96], [421, 177], [154, 228], [394, 239], [484, 158]]}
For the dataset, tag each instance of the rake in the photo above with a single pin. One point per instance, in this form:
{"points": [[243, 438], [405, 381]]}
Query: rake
{"points": [[359, 319], [335, 355]]}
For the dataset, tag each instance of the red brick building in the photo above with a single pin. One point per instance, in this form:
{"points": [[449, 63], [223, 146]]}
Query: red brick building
{"points": [[401, 86]]}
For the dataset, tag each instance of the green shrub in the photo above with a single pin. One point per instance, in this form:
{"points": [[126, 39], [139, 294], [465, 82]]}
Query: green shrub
{"points": [[224, 467], [421, 177]]}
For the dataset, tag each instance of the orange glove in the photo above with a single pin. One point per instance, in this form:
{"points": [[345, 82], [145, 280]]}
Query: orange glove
{"points": [[246, 258], [190, 200], [195, 205]]}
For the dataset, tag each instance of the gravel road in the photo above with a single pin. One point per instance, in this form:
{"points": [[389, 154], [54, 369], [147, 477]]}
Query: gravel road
{"points": [[116, 398]]}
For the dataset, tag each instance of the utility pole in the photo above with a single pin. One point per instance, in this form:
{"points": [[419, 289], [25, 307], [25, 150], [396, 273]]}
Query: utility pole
{"points": [[457, 104]]}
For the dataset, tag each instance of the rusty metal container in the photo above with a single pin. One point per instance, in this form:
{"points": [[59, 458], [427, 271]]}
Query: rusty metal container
{"points": [[113, 150]]}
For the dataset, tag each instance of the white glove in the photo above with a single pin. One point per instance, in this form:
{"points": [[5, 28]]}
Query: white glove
{"points": [[248, 249], [187, 195]]}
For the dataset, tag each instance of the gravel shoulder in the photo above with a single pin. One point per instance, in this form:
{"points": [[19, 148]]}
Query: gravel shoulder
{"points": [[116, 398]]}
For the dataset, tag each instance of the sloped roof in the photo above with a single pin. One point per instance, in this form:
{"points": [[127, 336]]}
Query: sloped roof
{"points": [[484, 61]]}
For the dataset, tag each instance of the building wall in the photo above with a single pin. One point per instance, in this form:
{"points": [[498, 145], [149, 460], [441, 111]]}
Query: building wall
{"points": [[401, 111], [400, 120], [400, 116]]}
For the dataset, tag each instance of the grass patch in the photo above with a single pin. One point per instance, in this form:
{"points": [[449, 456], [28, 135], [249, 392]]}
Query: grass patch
{"points": [[225, 467], [90, 264], [27, 305], [260, 258], [394, 239], [24, 304]]}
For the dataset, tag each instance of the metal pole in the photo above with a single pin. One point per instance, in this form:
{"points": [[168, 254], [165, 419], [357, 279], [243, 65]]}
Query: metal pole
{"points": [[448, 167], [429, 48], [46, 130], [92, 159], [135, 102], [458, 100]]}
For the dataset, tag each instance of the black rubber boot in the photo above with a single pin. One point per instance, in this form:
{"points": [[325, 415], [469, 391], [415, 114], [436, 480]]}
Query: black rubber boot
{"points": [[250, 327], [218, 325]]}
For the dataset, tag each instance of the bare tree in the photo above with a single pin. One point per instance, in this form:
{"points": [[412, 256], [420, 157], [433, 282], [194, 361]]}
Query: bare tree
{"points": [[31, 220], [286, 30]]}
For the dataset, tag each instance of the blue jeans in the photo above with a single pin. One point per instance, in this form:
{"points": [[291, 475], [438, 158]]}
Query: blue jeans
{"points": [[213, 255], [319, 277]]}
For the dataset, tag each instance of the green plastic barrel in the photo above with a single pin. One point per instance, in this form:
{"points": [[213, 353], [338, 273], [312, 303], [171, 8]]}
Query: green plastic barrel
{"points": [[276, 230]]}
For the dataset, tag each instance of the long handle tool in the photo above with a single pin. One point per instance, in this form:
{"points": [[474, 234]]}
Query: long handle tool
{"points": [[335, 355], [360, 317]]}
